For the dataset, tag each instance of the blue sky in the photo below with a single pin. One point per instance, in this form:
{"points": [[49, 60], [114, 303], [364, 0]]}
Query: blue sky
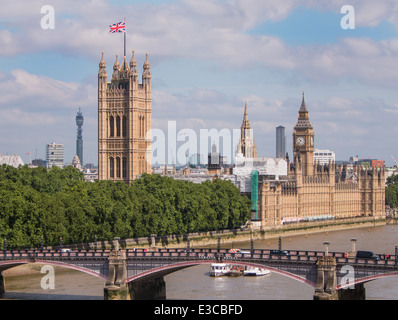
{"points": [[305, 26], [207, 57]]}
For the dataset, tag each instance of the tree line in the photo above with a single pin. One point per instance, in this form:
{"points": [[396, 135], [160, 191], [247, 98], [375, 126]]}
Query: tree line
{"points": [[392, 191], [38, 205]]}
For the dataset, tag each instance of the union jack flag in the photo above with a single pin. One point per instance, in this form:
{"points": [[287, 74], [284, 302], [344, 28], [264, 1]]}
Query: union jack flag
{"points": [[118, 27]]}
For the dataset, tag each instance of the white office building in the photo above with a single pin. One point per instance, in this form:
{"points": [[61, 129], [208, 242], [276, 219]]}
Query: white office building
{"points": [[55, 155], [324, 156]]}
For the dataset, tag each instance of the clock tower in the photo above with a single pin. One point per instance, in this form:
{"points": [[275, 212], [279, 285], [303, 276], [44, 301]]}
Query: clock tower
{"points": [[303, 141]]}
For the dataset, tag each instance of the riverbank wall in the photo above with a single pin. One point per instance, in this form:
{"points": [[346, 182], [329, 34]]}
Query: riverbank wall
{"points": [[228, 237]]}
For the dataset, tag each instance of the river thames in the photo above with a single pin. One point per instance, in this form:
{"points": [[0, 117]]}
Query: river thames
{"points": [[195, 284]]}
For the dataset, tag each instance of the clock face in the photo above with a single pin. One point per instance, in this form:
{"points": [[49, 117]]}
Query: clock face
{"points": [[300, 141]]}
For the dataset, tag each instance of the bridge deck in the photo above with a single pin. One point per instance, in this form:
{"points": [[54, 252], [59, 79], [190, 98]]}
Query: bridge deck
{"points": [[294, 256]]}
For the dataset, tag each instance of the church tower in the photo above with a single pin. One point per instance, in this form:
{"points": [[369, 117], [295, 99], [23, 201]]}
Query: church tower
{"points": [[303, 142], [124, 121], [246, 145]]}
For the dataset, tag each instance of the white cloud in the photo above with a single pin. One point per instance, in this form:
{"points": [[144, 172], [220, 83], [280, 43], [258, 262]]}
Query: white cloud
{"points": [[43, 92], [36, 110], [209, 30]]}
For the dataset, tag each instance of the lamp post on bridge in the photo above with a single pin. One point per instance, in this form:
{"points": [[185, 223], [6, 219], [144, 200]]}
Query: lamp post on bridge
{"points": [[326, 244], [353, 249], [251, 243]]}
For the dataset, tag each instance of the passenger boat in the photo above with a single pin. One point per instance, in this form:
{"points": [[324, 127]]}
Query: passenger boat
{"points": [[254, 271], [219, 269], [236, 271], [225, 269]]}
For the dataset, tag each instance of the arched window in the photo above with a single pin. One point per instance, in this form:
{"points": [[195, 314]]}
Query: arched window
{"points": [[111, 167], [124, 126], [117, 167], [111, 126], [141, 122], [143, 126], [124, 167], [118, 126]]}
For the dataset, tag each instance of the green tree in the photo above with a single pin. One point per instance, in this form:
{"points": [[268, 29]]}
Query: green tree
{"points": [[56, 203]]}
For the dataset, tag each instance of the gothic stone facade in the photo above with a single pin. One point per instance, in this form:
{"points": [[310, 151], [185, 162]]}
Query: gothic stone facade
{"points": [[312, 191], [124, 121]]}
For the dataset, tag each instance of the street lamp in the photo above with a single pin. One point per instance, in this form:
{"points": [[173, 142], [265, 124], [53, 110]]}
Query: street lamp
{"points": [[353, 249], [326, 247]]}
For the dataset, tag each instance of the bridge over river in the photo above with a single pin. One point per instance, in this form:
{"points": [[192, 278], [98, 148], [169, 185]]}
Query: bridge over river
{"points": [[139, 273]]}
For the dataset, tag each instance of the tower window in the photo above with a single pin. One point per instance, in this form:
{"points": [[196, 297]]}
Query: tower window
{"points": [[124, 126], [111, 167], [142, 126], [118, 167], [124, 167], [118, 126], [111, 126]]}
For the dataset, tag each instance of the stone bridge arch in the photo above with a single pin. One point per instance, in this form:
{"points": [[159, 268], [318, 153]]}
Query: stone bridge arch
{"points": [[150, 284], [363, 280], [5, 265], [167, 269]]}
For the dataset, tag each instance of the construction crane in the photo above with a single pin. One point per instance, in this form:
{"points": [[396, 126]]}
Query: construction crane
{"points": [[395, 161]]}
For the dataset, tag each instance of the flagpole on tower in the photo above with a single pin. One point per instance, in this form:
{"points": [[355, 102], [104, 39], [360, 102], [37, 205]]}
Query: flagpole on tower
{"points": [[125, 37]]}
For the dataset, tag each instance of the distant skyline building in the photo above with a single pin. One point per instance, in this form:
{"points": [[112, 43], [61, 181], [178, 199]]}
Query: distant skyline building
{"points": [[323, 157], [79, 140], [14, 160], [280, 142], [55, 155], [214, 163]]}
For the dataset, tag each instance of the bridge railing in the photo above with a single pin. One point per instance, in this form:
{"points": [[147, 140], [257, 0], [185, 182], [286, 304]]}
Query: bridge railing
{"points": [[256, 254], [391, 261], [199, 253], [51, 254]]}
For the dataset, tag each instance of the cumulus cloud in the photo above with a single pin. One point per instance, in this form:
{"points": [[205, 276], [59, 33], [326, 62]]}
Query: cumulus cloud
{"points": [[36, 110], [43, 92], [208, 30]]}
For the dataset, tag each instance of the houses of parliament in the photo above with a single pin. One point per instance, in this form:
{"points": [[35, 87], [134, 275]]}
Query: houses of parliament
{"points": [[312, 191], [302, 191]]}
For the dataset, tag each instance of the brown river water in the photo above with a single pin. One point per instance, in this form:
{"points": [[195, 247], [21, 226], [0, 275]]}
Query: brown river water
{"points": [[195, 284]]}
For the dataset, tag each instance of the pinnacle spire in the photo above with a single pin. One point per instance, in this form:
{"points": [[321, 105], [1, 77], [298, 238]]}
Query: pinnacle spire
{"points": [[303, 118], [125, 65], [303, 107], [133, 62], [246, 123], [116, 65], [102, 62], [146, 63], [102, 65], [247, 146]]}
